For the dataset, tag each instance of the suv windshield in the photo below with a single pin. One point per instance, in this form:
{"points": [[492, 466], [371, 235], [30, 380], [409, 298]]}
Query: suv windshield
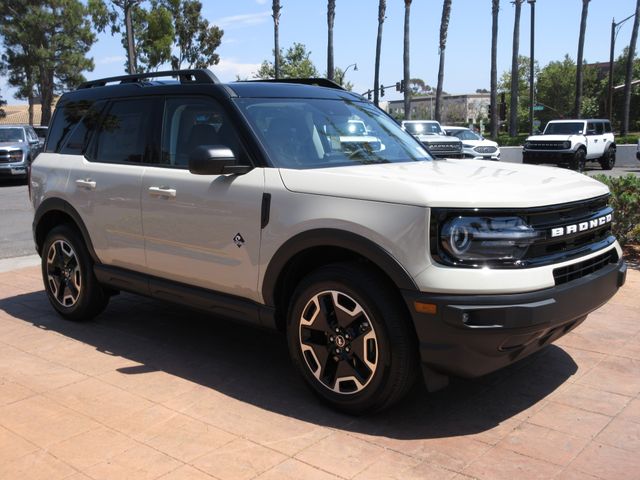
{"points": [[313, 133], [423, 128], [11, 135], [464, 134], [564, 128]]}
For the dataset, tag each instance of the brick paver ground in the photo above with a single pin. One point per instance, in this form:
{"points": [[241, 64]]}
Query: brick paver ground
{"points": [[151, 391]]}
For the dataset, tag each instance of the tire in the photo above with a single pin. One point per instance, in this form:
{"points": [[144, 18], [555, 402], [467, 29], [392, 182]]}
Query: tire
{"points": [[351, 339], [579, 160], [67, 272], [608, 160]]}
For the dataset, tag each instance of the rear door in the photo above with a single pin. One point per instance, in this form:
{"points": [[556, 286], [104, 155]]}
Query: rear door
{"points": [[105, 179], [595, 137], [201, 230]]}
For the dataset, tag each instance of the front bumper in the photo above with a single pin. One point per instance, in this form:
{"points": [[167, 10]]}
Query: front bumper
{"points": [[548, 156], [13, 170], [472, 335]]}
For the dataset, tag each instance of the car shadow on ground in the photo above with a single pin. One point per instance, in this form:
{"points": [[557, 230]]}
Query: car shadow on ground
{"points": [[12, 182], [253, 366]]}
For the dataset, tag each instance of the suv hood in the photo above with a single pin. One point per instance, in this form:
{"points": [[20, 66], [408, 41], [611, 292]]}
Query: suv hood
{"points": [[448, 183], [547, 138]]}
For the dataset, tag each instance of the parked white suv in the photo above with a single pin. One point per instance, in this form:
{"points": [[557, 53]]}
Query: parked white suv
{"points": [[432, 136], [474, 145], [573, 143], [240, 199]]}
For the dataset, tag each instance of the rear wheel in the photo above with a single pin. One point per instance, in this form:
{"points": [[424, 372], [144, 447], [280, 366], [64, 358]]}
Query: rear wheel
{"points": [[350, 339], [67, 272], [608, 160]]}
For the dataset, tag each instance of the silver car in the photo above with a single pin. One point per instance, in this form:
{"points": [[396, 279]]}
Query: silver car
{"points": [[19, 145]]}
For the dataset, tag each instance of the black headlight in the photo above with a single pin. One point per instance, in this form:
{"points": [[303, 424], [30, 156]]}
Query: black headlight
{"points": [[478, 241]]}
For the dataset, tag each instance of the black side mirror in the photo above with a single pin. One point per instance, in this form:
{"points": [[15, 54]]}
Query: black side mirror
{"points": [[215, 160]]}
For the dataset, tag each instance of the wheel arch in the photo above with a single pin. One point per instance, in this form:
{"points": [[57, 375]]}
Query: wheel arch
{"points": [[312, 249], [56, 211]]}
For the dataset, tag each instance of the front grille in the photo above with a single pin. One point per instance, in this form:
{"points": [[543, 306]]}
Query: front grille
{"points": [[550, 145], [5, 156], [485, 149], [581, 269], [444, 147]]}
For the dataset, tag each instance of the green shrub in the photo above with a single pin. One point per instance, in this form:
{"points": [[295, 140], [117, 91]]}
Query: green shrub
{"points": [[627, 139], [625, 201], [505, 140]]}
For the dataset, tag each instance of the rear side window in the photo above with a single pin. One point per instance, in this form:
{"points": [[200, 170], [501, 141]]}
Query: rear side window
{"points": [[65, 121], [124, 132], [607, 127], [591, 128], [78, 140], [599, 128]]}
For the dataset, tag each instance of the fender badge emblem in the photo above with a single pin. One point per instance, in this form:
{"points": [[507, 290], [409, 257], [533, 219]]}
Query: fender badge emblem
{"points": [[238, 240]]}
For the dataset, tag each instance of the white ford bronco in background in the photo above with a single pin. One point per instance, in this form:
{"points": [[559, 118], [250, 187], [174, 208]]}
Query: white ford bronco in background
{"points": [[377, 261], [572, 143]]}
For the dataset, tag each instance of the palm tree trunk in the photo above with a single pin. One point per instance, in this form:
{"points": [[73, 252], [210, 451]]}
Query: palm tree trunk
{"points": [[405, 59], [444, 27], [495, 9], [382, 8], [276, 41], [583, 28], [331, 15], [628, 77], [515, 84]]}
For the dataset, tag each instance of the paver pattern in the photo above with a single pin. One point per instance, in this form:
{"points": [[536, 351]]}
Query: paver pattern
{"points": [[149, 390]]}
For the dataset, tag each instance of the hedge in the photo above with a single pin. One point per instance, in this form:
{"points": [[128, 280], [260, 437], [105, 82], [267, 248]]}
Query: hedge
{"points": [[625, 201]]}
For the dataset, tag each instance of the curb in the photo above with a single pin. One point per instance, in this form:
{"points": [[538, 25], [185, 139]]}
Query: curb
{"points": [[8, 264]]}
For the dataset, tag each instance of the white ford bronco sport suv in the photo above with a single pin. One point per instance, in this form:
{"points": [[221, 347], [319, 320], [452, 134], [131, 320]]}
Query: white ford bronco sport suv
{"points": [[240, 199], [573, 143]]}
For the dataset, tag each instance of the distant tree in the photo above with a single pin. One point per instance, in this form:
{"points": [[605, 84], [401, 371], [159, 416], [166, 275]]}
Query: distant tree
{"points": [[154, 38], [629, 74], [295, 64], [338, 77], [60, 33], [579, 61], [482, 90], [114, 13], [382, 9], [196, 40], [331, 16], [513, 107], [522, 87], [2, 104], [444, 28], [495, 9], [556, 89], [406, 60], [275, 8]]}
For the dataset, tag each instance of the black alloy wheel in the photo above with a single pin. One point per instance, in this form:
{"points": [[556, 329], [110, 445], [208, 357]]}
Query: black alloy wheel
{"points": [[351, 339], [579, 160], [608, 160]]}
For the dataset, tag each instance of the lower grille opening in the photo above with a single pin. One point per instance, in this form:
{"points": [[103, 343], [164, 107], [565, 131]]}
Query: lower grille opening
{"points": [[581, 269]]}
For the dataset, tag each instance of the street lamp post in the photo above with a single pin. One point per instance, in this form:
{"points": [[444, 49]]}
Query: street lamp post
{"points": [[615, 28], [355, 69], [531, 73]]}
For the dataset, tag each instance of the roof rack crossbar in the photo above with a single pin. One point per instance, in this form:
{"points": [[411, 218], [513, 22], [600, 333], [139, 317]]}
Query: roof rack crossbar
{"points": [[320, 82], [185, 76]]}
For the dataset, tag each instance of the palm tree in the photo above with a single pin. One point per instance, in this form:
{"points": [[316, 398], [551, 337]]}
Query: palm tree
{"points": [[331, 15], [627, 82], [444, 27], [583, 28], [382, 8], [513, 107], [276, 23], [495, 9], [405, 59]]}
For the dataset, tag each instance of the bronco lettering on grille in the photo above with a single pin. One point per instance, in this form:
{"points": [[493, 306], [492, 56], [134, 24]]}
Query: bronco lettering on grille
{"points": [[582, 226]]}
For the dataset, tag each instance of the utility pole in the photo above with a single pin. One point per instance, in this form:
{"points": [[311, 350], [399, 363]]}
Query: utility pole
{"points": [[531, 73], [615, 28]]}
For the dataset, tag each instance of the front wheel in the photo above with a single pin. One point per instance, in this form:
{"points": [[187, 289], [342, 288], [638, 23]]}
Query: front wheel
{"points": [[608, 160], [579, 160], [67, 272], [351, 339]]}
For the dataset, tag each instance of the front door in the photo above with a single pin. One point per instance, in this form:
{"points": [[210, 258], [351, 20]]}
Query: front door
{"points": [[201, 230]]}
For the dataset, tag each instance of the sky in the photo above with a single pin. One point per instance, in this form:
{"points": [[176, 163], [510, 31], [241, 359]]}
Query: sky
{"points": [[248, 38]]}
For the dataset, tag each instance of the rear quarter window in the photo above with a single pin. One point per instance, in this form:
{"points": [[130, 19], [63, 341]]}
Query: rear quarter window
{"points": [[65, 119]]}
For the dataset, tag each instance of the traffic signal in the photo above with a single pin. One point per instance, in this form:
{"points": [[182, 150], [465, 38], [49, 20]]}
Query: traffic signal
{"points": [[368, 94], [381, 91], [400, 86], [503, 111], [489, 110]]}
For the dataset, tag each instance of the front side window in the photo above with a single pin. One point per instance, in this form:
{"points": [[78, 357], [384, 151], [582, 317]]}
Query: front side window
{"points": [[564, 128], [599, 128], [14, 135], [124, 132], [318, 133], [191, 122], [465, 135]]}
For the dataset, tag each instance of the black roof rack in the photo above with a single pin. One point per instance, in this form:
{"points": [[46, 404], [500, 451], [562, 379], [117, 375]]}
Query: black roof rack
{"points": [[320, 82], [185, 76]]}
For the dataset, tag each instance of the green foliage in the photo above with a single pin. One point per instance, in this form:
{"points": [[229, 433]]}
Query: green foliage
{"points": [[338, 77], [154, 38], [293, 64], [625, 201], [631, 139], [504, 85], [504, 140], [46, 43]]}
